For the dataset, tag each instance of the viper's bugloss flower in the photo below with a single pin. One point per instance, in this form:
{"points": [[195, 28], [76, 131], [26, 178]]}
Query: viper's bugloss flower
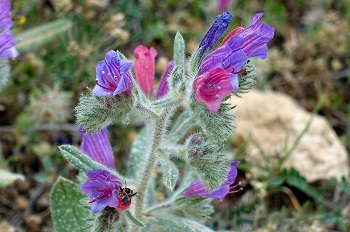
{"points": [[5, 14], [213, 86], [197, 188], [145, 67], [256, 37], [102, 188], [112, 76], [7, 40], [163, 87], [215, 31], [98, 147], [229, 57], [7, 44]]}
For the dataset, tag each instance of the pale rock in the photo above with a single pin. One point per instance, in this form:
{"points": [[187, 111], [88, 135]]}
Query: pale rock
{"points": [[269, 117]]}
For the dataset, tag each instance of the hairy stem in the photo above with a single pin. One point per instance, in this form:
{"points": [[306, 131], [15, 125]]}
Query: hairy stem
{"points": [[158, 130]]}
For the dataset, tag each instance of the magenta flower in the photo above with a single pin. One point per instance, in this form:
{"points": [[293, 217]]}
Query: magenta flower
{"points": [[215, 31], [98, 147], [112, 76], [102, 188], [164, 85], [211, 87], [223, 4], [197, 188], [144, 68]]}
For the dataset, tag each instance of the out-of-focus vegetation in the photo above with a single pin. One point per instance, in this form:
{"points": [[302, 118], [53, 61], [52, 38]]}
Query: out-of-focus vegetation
{"points": [[308, 59]]}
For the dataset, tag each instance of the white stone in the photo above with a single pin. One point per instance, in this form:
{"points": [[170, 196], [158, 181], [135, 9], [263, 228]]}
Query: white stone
{"points": [[269, 116]]}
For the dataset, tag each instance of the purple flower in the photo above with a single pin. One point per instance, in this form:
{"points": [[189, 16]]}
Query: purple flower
{"points": [[112, 76], [215, 31], [102, 188], [7, 44], [7, 40], [163, 85], [5, 14], [256, 37], [98, 147], [229, 57], [197, 189], [211, 87]]}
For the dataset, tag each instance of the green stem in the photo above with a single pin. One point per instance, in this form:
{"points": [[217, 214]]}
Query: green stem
{"points": [[158, 127]]}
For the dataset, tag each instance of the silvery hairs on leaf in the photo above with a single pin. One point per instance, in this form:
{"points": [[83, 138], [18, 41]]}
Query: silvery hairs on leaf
{"points": [[93, 113]]}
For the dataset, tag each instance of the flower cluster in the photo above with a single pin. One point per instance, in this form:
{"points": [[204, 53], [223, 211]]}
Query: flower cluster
{"points": [[7, 40], [221, 67], [206, 80]]}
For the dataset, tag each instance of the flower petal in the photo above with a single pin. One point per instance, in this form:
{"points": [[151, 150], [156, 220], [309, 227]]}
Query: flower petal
{"points": [[98, 148], [163, 85], [215, 31], [145, 68]]}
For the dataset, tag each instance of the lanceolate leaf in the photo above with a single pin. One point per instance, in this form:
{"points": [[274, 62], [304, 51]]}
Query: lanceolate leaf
{"points": [[7, 178], [170, 172], [179, 224], [40, 35], [67, 211], [133, 219], [82, 161], [4, 72], [138, 152], [182, 125]]}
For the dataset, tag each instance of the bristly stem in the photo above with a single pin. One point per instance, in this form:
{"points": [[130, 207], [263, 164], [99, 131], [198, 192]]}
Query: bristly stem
{"points": [[158, 128]]}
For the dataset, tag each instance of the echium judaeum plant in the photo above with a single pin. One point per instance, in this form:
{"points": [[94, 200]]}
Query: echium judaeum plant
{"points": [[187, 121]]}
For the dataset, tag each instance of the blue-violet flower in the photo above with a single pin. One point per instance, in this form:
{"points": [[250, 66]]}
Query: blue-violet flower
{"points": [[197, 188], [215, 31], [112, 76]]}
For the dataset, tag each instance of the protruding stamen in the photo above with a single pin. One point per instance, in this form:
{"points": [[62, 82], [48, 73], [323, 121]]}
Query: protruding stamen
{"points": [[218, 87], [103, 72], [233, 190], [217, 96]]}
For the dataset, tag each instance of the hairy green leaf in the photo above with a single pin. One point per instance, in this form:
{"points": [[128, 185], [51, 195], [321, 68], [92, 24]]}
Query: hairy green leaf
{"points": [[181, 126], [170, 172], [67, 213], [178, 224], [4, 72], [138, 153], [133, 219], [41, 35], [197, 208], [7, 178]]}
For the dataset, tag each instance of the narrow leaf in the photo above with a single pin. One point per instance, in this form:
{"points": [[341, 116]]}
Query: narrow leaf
{"points": [[137, 154], [7, 178], [179, 224], [4, 72], [67, 212], [133, 219], [82, 161], [181, 126], [170, 172], [179, 50], [41, 35]]}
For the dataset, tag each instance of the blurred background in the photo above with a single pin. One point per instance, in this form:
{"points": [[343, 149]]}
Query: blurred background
{"points": [[294, 167]]}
